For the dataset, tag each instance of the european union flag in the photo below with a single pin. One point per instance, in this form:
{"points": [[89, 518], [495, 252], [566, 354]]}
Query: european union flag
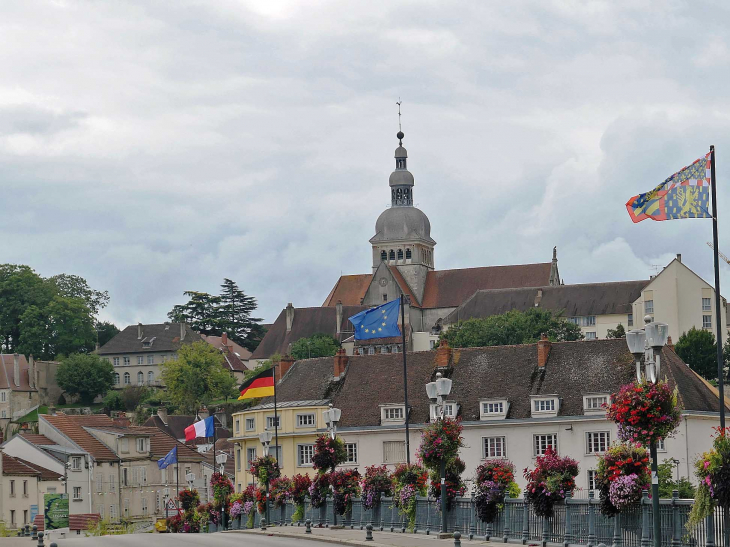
{"points": [[171, 458], [380, 322]]}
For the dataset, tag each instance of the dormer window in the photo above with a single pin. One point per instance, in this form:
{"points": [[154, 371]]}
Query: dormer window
{"points": [[493, 409], [147, 342], [595, 403], [392, 414], [451, 410], [545, 406]]}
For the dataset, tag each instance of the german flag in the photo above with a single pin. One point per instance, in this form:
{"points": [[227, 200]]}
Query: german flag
{"points": [[261, 385]]}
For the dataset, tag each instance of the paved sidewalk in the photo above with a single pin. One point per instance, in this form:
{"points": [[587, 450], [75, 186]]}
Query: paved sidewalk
{"points": [[357, 537]]}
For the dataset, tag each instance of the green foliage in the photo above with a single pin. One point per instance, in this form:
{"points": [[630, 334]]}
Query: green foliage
{"points": [[114, 401], [197, 377], [86, 376], [230, 312], [105, 331], [317, 345], [665, 471], [697, 348], [618, 332], [513, 327], [133, 396], [141, 414], [262, 366], [73, 286]]}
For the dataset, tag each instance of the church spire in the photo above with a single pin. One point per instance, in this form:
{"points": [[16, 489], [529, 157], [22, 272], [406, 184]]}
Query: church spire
{"points": [[401, 180]]}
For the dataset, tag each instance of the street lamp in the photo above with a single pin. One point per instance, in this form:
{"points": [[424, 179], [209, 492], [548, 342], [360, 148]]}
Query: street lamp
{"points": [[648, 343], [438, 391], [331, 419], [265, 439], [190, 477]]}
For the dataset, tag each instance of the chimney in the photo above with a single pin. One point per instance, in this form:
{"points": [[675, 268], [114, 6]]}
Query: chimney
{"points": [[31, 372], [543, 351], [182, 331], [338, 307], [162, 414], [289, 316], [341, 360], [284, 364], [670, 343], [16, 370], [203, 413], [538, 298], [139, 331], [224, 339], [443, 355], [222, 418], [679, 257]]}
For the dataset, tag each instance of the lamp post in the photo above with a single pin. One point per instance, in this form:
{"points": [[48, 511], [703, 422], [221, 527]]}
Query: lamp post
{"points": [[331, 419], [265, 439], [648, 343], [221, 458], [437, 391], [190, 477]]}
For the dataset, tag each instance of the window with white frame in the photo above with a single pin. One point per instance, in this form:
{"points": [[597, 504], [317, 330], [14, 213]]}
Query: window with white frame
{"points": [[99, 482], [141, 445], [660, 446], [648, 306], [394, 451], [706, 304], [238, 458], [597, 442], [543, 405], [143, 475], [393, 414], [371, 350], [127, 361], [273, 422], [351, 449], [140, 359], [494, 447], [591, 335], [124, 442], [583, 320], [116, 361], [77, 493], [126, 507], [595, 403], [250, 457], [3, 396], [305, 453], [112, 513], [543, 442], [127, 379], [305, 420], [706, 321], [630, 320], [591, 479], [451, 409], [112, 484], [150, 359], [116, 379], [250, 424], [395, 349], [496, 407], [76, 463]]}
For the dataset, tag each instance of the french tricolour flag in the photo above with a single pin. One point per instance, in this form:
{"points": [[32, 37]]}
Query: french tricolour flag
{"points": [[203, 428]]}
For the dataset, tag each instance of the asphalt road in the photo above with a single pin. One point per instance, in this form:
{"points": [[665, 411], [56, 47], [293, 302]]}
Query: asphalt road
{"points": [[183, 540]]}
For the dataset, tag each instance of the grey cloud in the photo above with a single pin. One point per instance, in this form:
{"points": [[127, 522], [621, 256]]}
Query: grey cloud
{"points": [[35, 120]]}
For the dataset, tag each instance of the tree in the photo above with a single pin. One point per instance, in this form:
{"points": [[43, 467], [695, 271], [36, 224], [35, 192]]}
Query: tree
{"points": [[697, 348], [200, 312], [20, 288], [513, 327], [197, 377], [85, 375], [105, 331], [667, 483], [133, 396], [317, 345], [618, 332], [262, 366], [73, 286]]}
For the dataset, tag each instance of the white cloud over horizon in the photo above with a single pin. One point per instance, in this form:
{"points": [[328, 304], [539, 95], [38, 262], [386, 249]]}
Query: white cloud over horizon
{"points": [[154, 148]]}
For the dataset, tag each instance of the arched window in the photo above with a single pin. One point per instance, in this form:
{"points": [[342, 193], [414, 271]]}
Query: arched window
{"points": [[140, 378], [391, 254], [400, 254], [127, 379], [383, 255], [150, 377], [116, 378], [392, 193], [408, 254]]}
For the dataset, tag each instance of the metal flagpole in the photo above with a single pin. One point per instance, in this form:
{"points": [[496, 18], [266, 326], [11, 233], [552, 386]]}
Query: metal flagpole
{"points": [[276, 418], [405, 374], [718, 318]]}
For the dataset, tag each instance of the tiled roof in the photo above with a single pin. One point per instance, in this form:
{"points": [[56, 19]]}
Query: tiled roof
{"points": [[403, 284], [7, 373], [166, 338], [16, 466], [160, 445], [73, 428], [509, 372], [45, 474], [39, 440], [575, 300], [217, 341], [82, 521], [176, 425], [307, 321], [349, 289]]}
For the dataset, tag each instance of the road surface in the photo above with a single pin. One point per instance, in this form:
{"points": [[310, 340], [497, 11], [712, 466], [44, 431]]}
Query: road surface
{"points": [[181, 540]]}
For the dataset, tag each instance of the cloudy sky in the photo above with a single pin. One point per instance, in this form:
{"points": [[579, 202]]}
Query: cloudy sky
{"points": [[156, 147]]}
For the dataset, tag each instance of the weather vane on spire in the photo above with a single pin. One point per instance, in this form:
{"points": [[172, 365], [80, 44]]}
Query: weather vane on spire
{"points": [[400, 134]]}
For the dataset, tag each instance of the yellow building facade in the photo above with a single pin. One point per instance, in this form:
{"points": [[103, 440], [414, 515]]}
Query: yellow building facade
{"points": [[300, 422]]}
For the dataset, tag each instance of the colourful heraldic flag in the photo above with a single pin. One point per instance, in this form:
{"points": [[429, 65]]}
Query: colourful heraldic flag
{"points": [[380, 322], [261, 385], [686, 194]]}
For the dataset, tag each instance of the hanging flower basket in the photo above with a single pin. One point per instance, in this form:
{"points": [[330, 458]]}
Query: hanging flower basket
{"points": [[299, 492], [622, 474], [454, 485], [328, 453], [712, 470], [318, 490], [280, 491], [345, 486], [493, 479], [552, 478], [645, 412], [222, 488], [189, 499], [265, 469], [409, 481], [376, 483], [440, 441]]}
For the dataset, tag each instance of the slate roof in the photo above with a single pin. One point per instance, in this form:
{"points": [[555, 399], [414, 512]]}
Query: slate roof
{"points": [[573, 370], [307, 321], [73, 428], [166, 338], [176, 425], [349, 289], [575, 300], [7, 373]]}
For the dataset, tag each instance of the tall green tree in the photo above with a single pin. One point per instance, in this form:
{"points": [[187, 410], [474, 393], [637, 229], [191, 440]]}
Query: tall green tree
{"points": [[73, 286], [618, 332], [86, 376], [317, 345], [200, 312], [197, 377], [234, 314], [105, 331], [513, 327], [697, 348], [20, 288]]}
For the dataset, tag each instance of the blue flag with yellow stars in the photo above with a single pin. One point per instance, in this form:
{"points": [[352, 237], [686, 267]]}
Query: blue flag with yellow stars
{"points": [[380, 322]]}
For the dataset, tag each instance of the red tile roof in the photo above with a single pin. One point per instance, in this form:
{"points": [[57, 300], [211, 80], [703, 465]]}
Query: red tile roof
{"points": [[45, 474], [350, 289], [160, 445], [73, 428], [15, 466], [39, 440], [237, 349]]}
